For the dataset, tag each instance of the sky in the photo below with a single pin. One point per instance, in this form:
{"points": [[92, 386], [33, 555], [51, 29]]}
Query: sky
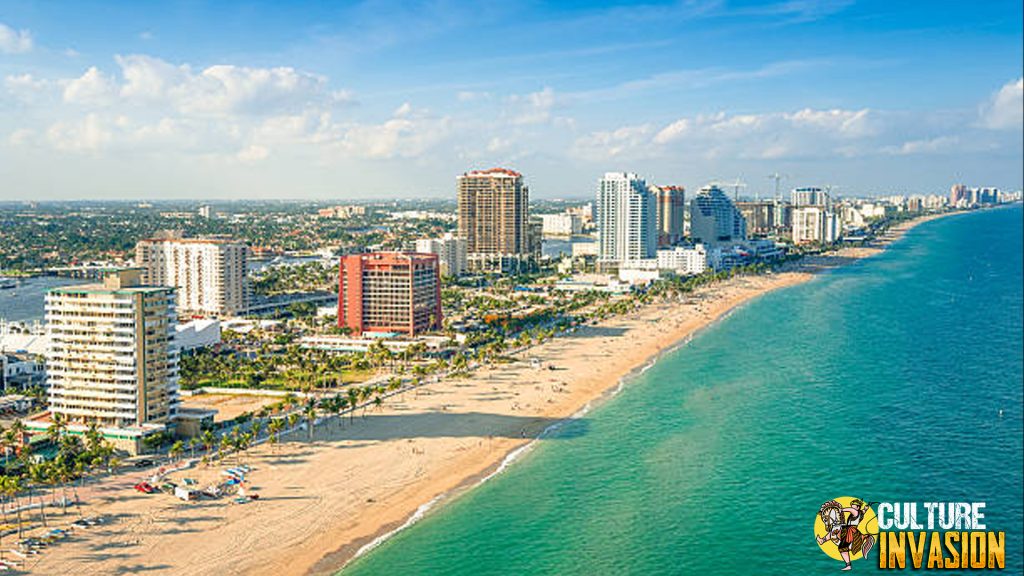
{"points": [[394, 99]]}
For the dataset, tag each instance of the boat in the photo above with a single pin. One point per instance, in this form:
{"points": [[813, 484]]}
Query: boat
{"points": [[7, 283]]}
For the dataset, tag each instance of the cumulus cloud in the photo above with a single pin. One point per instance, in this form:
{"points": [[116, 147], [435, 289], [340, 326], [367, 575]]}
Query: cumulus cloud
{"points": [[806, 132], [222, 89], [1005, 110], [936, 145], [91, 88], [89, 134], [407, 134], [25, 87], [532, 108], [14, 41]]}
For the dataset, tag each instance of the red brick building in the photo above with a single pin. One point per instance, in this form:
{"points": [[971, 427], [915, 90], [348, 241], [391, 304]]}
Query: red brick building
{"points": [[389, 292]]}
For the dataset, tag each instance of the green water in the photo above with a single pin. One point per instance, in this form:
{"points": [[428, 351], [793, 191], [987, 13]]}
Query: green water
{"points": [[883, 380]]}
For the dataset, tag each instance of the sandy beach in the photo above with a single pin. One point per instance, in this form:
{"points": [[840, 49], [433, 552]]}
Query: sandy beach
{"points": [[321, 501]]}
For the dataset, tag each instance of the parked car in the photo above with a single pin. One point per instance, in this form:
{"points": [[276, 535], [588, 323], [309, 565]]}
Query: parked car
{"points": [[144, 463], [145, 487]]}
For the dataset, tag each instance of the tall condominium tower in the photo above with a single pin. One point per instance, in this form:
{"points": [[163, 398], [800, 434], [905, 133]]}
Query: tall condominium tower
{"points": [[670, 202], [112, 357], [389, 292], [714, 218], [809, 196], [209, 273], [815, 224], [494, 213], [626, 218]]}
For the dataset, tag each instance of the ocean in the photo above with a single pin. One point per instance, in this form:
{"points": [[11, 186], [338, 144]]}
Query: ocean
{"points": [[897, 378]]}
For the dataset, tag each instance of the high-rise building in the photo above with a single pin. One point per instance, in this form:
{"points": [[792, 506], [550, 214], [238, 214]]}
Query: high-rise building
{"points": [[450, 250], [494, 212], [813, 224], [112, 358], [389, 292], [670, 205], [626, 218], [809, 196], [959, 194], [211, 274], [760, 217], [714, 218]]}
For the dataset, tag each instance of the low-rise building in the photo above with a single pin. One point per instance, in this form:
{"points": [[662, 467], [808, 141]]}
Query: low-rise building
{"points": [[684, 260], [565, 224]]}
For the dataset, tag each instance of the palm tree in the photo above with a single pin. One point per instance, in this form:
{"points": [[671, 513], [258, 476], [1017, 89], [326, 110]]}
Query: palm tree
{"points": [[208, 440], [274, 430], [176, 449], [11, 486], [56, 429], [293, 420], [310, 413], [353, 402], [38, 477]]}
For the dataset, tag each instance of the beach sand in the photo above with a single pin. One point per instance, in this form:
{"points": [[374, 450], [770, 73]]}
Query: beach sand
{"points": [[322, 501]]}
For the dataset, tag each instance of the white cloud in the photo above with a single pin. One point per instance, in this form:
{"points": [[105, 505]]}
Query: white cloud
{"points": [[774, 135], [533, 108], [1005, 110], [89, 134], [14, 41], [25, 87], [91, 88], [222, 89], [626, 141], [936, 145], [253, 153], [408, 134]]}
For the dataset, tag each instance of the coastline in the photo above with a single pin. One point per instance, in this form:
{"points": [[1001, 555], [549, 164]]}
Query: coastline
{"points": [[324, 502]]}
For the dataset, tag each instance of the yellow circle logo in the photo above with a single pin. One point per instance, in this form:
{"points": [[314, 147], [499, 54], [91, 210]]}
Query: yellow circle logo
{"points": [[841, 529]]}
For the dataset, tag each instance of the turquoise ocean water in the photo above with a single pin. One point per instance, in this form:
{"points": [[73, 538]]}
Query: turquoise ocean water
{"points": [[883, 380]]}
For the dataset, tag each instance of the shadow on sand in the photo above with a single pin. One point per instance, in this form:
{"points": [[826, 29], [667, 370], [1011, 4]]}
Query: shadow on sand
{"points": [[456, 425]]}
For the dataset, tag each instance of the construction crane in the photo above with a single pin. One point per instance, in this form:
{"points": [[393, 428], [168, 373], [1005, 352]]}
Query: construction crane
{"points": [[777, 178], [735, 185]]}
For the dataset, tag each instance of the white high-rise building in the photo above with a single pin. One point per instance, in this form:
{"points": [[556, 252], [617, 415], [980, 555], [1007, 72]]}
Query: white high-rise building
{"points": [[112, 357], [450, 250], [815, 224], [626, 218], [809, 196], [211, 274], [714, 219]]}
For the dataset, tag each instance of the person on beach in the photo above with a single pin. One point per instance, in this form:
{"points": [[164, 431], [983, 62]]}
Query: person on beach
{"points": [[847, 530]]}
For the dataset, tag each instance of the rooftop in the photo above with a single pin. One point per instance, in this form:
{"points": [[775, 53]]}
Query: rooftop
{"points": [[494, 172]]}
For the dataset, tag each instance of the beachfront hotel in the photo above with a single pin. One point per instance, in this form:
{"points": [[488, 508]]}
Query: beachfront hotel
{"points": [[112, 357], [714, 219], [396, 292], [210, 274], [670, 206], [494, 216], [626, 219]]}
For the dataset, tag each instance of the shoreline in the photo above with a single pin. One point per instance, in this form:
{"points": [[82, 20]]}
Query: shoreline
{"points": [[329, 501], [892, 235]]}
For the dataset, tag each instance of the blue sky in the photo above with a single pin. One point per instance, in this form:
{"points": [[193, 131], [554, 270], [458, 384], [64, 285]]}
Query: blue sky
{"points": [[374, 99]]}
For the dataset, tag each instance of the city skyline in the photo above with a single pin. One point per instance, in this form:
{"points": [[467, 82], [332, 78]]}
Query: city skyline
{"points": [[393, 100]]}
